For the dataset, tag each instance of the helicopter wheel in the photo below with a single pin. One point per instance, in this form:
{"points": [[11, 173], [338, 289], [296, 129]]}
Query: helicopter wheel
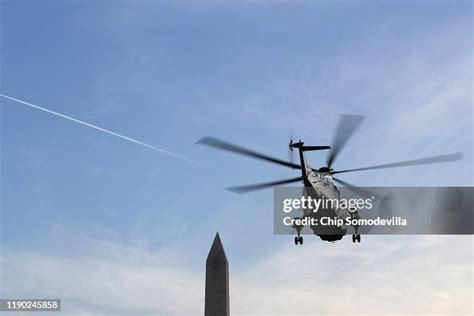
{"points": [[298, 240], [358, 238], [354, 238]]}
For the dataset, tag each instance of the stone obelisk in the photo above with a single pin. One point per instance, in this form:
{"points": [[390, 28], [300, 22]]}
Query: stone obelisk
{"points": [[217, 281]]}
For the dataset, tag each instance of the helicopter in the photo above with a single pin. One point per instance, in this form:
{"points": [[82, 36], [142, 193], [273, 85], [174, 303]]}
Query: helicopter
{"points": [[320, 183]]}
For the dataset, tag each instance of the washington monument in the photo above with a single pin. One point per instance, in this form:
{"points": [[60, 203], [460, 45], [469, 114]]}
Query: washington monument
{"points": [[217, 281]]}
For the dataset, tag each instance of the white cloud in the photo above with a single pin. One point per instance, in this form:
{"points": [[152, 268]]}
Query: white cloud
{"points": [[398, 275], [124, 281]]}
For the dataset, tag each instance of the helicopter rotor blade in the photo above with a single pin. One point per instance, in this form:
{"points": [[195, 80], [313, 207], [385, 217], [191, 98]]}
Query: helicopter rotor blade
{"points": [[355, 189], [217, 143], [260, 186], [347, 184], [347, 125], [424, 161]]}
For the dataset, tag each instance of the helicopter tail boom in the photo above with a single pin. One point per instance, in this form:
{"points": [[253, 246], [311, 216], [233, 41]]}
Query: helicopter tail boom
{"points": [[301, 146], [310, 148]]}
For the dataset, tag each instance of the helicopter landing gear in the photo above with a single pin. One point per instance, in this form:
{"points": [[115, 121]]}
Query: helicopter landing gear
{"points": [[356, 237], [298, 240]]}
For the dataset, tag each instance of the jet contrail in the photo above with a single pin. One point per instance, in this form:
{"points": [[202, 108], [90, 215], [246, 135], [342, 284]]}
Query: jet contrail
{"points": [[98, 128]]}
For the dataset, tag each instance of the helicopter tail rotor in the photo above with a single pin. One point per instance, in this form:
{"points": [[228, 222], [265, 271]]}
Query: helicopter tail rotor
{"points": [[290, 147]]}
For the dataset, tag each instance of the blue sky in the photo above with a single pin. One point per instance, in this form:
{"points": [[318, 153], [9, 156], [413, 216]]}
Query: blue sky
{"points": [[168, 73]]}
